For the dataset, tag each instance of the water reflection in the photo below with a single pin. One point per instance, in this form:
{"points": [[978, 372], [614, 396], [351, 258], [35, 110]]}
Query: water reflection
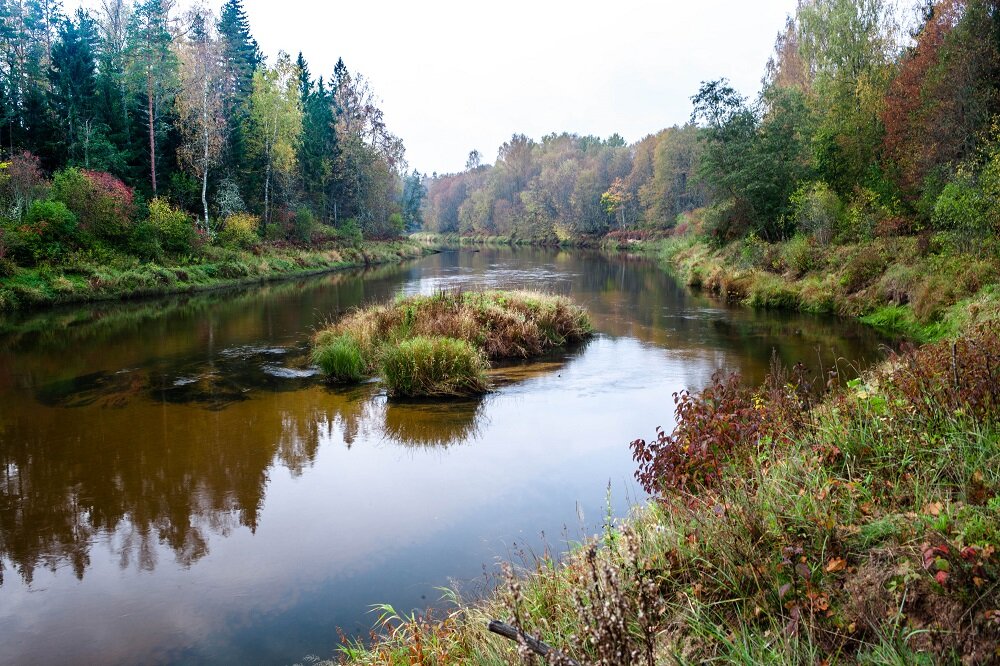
{"points": [[181, 458], [433, 424]]}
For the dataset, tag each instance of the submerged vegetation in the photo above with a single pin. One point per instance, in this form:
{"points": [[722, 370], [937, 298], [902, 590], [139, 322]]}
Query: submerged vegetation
{"points": [[442, 344], [790, 524]]}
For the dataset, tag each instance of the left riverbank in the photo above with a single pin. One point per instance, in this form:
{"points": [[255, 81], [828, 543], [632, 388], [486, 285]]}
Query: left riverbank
{"points": [[214, 268]]}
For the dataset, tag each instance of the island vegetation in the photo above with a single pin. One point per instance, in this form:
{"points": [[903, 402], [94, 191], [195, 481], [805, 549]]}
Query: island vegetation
{"points": [[441, 345], [145, 150]]}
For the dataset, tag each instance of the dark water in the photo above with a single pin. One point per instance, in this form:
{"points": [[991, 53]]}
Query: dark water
{"points": [[176, 484]]}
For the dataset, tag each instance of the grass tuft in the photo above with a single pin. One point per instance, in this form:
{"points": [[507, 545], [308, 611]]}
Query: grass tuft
{"points": [[434, 367], [340, 359]]}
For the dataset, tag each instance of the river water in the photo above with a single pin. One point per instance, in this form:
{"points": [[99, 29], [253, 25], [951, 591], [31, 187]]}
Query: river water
{"points": [[178, 486]]}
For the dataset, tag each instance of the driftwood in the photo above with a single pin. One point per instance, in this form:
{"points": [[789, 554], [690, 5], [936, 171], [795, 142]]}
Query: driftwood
{"points": [[518, 636]]}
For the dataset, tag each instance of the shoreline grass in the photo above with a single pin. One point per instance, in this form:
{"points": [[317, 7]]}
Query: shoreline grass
{"points": [[859, 529], [911, 287], [459, 334], [89, 280]]}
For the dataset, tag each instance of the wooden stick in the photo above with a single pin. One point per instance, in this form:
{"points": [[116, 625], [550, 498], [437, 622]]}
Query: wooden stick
{"points": [[518, 636]]}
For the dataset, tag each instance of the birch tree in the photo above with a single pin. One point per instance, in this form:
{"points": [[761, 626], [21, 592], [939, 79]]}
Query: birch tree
{"points": [[275, 123], [199, 105]]}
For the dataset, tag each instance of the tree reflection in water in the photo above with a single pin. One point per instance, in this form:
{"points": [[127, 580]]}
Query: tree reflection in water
{"points": [[168, 456]]}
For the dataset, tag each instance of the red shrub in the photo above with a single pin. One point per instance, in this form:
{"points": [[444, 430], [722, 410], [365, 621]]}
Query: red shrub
{"points": [[943, 378], [103, 204], [718, 424]]}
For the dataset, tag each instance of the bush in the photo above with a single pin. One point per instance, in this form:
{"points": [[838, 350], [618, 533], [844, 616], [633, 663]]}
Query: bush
{"points": [[717, 426], [173, 227], [341, 359], [397, 224], [49, 231], [862, 217], [864, 268], [350, 230], [103, 204], [800, 254], [302, 225], [144, 242], [240, 231], [434, 366], [22, 182], [964, 209], [817, 210], [724, 222]]}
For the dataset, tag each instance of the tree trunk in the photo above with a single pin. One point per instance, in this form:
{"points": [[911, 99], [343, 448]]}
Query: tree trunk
{"points": [[267, 187], [204, 166], [152, 129]]}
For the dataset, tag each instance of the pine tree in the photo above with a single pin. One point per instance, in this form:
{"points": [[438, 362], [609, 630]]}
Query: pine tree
{"points": [[318, 148], [240, 59], [152, 73]]}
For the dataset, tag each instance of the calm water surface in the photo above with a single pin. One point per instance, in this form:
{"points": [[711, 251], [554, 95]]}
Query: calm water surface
{"points": [[177, 484]]}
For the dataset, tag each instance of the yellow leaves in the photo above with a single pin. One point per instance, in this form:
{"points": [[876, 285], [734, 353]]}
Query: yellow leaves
{"points": [[933, 509], [836, 564]]}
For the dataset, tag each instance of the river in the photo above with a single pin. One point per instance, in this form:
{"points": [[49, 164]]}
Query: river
{"points": [[177, 485]]}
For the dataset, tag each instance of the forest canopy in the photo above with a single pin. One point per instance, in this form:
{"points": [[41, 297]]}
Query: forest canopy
{"points": [[142, 129], [871, 120]]}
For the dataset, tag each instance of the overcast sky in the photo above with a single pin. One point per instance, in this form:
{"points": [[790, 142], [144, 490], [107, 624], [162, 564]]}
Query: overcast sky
{"points": [[459, 75]]}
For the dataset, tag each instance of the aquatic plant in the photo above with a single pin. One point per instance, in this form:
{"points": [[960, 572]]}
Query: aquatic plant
{"points": [[340, 359]]}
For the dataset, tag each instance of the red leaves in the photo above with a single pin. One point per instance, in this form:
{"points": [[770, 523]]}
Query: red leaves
{"points": [[715, 425]]}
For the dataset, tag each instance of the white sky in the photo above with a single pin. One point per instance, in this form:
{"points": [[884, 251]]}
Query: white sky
{"points": [[456, 75]]}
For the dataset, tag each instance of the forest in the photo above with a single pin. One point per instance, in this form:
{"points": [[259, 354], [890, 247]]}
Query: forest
{"points": [[139, 132], [872, 121]]}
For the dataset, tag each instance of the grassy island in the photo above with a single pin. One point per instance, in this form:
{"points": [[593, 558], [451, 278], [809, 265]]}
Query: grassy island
{"points": [[442, 345]]}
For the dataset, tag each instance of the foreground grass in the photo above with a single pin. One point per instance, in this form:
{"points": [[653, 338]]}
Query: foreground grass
{"points": [[87, 278], [858, 529], [441, 344], [922, 288]]}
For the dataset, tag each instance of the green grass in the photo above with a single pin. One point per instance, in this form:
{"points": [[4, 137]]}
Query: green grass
{"points": [[340, 358], [434, 367], [86, 278], [893, 284]]}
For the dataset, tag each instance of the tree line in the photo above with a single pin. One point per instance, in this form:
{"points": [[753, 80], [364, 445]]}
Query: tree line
{"points": [[137, 127], [872, 120]]}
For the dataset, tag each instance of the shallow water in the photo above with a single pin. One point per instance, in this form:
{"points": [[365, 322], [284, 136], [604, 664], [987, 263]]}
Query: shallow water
{"points": [[178, 485]]}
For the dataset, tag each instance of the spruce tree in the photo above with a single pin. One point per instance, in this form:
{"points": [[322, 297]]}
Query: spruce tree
{"points": [[74, 87], [240, 59]]}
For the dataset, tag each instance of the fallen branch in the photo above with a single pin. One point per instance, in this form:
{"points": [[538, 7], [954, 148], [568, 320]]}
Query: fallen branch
{"points": [[535, 645]]}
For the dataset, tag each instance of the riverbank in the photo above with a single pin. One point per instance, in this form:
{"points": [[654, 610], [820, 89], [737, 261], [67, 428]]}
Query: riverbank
{"points": [[474, 240], [85, 280], [920, 288], [861, 528]]}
